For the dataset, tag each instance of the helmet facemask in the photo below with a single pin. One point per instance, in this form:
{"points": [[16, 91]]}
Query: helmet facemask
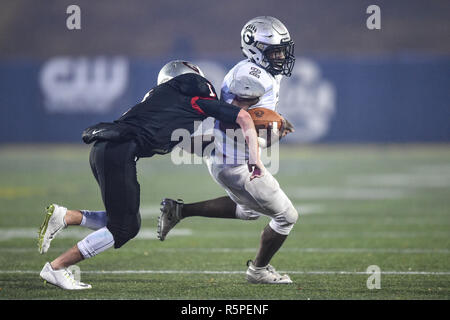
{"points": [[279, 58]]}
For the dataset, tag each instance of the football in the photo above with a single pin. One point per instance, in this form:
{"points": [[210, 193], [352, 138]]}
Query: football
{"points": [[262, 117]]}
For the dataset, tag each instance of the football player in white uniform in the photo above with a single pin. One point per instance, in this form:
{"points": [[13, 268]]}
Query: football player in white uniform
{"points": [[253, 82]]}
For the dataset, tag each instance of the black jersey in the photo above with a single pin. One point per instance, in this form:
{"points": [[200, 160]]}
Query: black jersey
{"points": [[172, 105]]}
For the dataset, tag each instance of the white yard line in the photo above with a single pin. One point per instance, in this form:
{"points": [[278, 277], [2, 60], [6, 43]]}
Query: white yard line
{"points": [[80, 233], [318, 272], [310, 208], [432, 169], [348, 193], [312, 250], [150, 211], [330, 234], [403, 180], [150, 234], [290, 250]]}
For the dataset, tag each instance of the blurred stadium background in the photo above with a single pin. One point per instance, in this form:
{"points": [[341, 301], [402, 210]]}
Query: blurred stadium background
{"points": [[350, 84], [386, 91]]}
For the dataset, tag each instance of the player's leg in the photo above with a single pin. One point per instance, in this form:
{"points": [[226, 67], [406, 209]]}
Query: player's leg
{"points": [[282, 213], [172, 211], [90, 219], [223, 207], [57, 217], [93, 220], [260, 196], [260, 270], [68, 258], [275, 204], [114, 167], [271, 242], [57, 272], [120, 170], [122, 196]]}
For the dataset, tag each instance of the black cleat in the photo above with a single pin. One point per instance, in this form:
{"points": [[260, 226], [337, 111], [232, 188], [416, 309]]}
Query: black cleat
{"points": [[170, 215]]}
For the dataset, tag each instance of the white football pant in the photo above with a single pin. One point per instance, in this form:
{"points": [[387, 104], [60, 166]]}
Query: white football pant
{"points": [[261, 196]]}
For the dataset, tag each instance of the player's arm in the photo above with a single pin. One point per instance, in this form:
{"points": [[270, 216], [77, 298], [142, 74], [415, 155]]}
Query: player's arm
{"points": [[245, 121], [244, 103], [203, 140], [230, 113]]}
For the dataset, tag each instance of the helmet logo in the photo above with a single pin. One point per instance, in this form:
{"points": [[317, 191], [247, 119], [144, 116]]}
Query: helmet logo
{"points": [[248, 34]]}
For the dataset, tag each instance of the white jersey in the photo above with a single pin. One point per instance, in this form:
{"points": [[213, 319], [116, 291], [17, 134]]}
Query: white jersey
{"points": [[268, 89]]}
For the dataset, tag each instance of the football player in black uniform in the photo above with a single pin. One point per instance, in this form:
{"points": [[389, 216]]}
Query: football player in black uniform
{"points": [[181, 97]]}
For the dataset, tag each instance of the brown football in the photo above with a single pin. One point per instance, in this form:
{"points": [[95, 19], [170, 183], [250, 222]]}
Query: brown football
{"points": [[262, 117]]}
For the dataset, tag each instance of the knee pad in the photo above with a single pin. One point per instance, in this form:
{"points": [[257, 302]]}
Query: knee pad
{"points": [[283, 222], [96, 242], [291, 215]]}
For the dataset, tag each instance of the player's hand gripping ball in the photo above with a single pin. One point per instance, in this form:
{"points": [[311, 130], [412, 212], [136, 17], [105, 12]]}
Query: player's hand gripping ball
{"points": [[268, 120], [265, 118]]}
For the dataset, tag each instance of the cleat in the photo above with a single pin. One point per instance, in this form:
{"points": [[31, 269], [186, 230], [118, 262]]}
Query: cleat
{"points": [[170, 215], [265, 275], [62, 278], [52, 225]]}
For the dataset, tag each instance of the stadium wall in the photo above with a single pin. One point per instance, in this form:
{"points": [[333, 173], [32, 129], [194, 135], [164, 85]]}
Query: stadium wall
{"points": [[328, 99]]}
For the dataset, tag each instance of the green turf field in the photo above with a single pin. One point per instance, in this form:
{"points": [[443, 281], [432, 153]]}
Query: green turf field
{"points": [[359, 206]]}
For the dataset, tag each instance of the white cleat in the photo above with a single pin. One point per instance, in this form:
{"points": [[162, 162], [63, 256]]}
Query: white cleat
{"points": [[265, 275], [52, 225], [62, 278]]}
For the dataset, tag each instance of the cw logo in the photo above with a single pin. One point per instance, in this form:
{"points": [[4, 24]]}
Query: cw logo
{"points": [[82, 85]]}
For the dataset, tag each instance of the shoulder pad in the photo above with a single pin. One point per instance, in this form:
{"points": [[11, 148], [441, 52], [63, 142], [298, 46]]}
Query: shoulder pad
{"points": [[247, 88], [249, 81], [192, 84]]}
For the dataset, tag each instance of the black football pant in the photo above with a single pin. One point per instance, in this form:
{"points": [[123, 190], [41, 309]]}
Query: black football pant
{"points": [[114, 167]]}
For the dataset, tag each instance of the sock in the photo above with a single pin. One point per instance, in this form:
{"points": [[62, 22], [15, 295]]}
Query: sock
{"points": [[93, 219], [96, 242], [222, 207], [270, 243]]}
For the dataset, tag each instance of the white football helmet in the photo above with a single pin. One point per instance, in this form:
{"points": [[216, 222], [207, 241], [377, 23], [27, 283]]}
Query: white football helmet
{"points": [[175, 68], [266, 42]]}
